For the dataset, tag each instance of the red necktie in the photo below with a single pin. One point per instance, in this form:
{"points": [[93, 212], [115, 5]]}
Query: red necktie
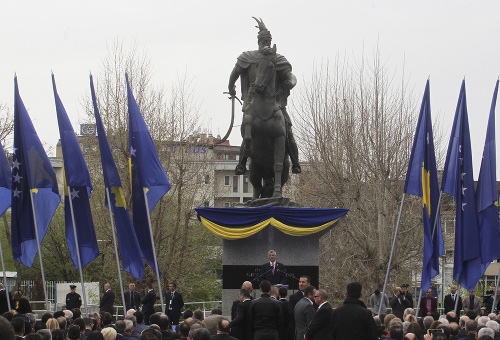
{"points": [[273, 268]]}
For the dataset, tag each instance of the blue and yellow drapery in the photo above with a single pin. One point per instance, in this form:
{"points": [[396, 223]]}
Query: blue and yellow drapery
{"points": [[237, 223]]}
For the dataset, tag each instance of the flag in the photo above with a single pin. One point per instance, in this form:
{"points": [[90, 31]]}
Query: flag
{"points": [[131, 254], [146, 171], [77, 178], [487, 195], [31, 171], [458, 181], [5, 181], [422, 180]]}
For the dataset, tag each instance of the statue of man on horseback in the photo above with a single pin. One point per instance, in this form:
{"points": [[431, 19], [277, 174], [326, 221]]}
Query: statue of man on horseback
{"points": [[256, 102]]}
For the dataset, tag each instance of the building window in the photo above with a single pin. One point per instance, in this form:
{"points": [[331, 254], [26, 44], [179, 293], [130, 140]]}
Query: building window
{"points": [[245, 184], [226, 180], [235, 183], [226, 204]]}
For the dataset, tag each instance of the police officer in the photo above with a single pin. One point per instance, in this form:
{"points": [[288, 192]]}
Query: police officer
{"points": [[73, 299]]}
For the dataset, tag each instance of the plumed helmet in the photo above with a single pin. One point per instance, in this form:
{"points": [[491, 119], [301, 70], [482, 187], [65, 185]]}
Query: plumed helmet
{"points": [[263, 31]]}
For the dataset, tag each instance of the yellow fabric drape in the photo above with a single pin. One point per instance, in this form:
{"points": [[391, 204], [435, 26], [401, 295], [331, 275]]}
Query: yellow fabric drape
{"points": [[238, 233]]}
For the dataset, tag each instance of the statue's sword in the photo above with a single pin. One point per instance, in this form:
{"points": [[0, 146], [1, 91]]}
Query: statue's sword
{"points": [[233, 99]]}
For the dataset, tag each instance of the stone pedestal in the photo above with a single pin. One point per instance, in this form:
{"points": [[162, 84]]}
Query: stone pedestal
{"points": [[242, 260]]}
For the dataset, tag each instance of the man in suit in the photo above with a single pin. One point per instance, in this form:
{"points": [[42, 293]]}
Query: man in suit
{"points": [[282, 293], [174, 302], [240, 327], [248, 286], [132, 298], [428, 304], [265, 315], [473, 303], [304, 281], [107, 299], [320, 327], [304, 313], [222, 331], [399, 303], [18, 325], [148, 302], [273, 271], [4, 307], [450, 299]]}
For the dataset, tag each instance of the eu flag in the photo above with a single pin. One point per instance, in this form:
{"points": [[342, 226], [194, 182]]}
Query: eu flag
{"points": [[131, 254], [146, 172], [77, 178], [422, 180], [487, 195], [31, 171], [458, 181], [5, 181]]}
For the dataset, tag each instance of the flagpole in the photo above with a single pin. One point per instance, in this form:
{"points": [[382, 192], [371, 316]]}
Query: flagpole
{"points": [[433, 232], [496, 293], [458, 298], [116, 250], [3, 268], [154, 250], [39, 249], [392, 251], [78, 251]]}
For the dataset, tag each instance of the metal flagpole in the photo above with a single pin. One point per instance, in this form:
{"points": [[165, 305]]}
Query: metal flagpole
{"points": [[433, 232], [3, 268], [392, 251], [458, 297], [39, 249], [496, 293], [77, 251], [154, 251], [116, 250]]}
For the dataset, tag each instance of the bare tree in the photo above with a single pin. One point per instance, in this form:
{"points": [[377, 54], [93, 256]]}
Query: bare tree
{"points": [[356, 126]]}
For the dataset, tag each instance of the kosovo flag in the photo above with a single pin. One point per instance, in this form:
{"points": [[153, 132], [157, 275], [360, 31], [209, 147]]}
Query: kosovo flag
{"points": [[487, 195], [77, 178], [131, 254], [5, 182], [458, 181], [32, 176], [146, 172], [422, 180]]}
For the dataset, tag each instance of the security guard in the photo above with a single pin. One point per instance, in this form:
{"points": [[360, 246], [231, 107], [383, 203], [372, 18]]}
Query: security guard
{"points": [[73, 299]]}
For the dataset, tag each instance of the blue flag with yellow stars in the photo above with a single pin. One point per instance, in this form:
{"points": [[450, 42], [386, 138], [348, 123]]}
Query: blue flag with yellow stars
{"points": [[487, 194], [5, 181], [32, 176], [458, 181], [131, 254], [77, 178], [422, 180], [146, 172]]}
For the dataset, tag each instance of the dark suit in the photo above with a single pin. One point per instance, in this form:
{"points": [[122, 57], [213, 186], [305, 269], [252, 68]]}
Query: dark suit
{"points": [[353, 321], [292, 301], [240, 326], [4, 307], [449, 305], [399, 305], [107, 302], [286, 319], [222, 337], [320, 327], [265, 318], [266, 273], [304, 313], [133, 303], [174, 306], [148, 302]]}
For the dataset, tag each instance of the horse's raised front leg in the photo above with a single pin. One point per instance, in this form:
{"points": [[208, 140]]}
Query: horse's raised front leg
{"points": [[279, 157], [247, 135]]}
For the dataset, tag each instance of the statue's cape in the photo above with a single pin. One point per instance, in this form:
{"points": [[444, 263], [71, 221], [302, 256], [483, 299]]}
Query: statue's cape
{"points": [[250, 57]]}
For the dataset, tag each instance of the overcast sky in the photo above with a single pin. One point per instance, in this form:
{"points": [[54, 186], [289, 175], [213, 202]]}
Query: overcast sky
{"points": [[446, 40]]}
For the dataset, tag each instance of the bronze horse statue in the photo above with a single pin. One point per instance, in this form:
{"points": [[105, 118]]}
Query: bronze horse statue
{"points": [[264, 137]]}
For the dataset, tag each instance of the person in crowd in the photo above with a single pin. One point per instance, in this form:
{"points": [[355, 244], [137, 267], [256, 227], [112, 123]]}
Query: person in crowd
{"points": [[45, 334], [184, 329], [223, 329], [304, 312], [398, 303], [6, 329], [21, 304], [353, 320], [265, 315], [4, 305], [52, 324], [428, 304], [73, 299], [304, 281], [406, 293], [212, 320], [148, 302], [132, 298], [471, 330], [472, 303], [396, 330], [174, 302], [376, 299], [58, 334], [73, 333], [166, 328], [140, 324], [320, 327], [451, 299], [19, 327], [109, 333], [199, 334], [107, 299], [246, 285], [240, 325], [273, 271]]}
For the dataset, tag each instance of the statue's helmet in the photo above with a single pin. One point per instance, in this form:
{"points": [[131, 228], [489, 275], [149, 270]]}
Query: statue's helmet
{"points": [[264, 33]]}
